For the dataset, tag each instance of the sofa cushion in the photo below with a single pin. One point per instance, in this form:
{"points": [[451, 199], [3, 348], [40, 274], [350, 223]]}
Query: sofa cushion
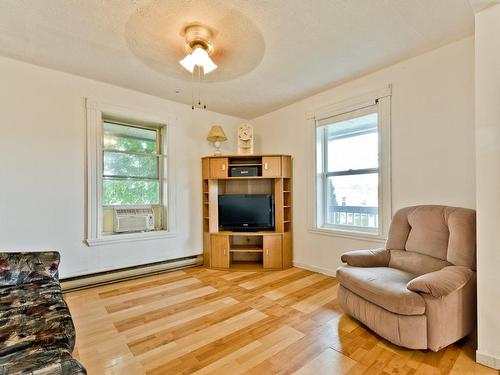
{"points": [[383, 286], [443, 282], [409, 331], [37, 361], [415, 263], [447, 233], [21, 268], [429, 232], [366, 258], [33, 316]]}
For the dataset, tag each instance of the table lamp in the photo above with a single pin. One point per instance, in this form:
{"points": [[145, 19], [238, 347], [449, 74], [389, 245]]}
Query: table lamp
{"points": [[217, 136]]}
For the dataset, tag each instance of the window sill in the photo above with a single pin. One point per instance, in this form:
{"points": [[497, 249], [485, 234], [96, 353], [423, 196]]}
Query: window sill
{"points": [[129, 237], [349, 234]]}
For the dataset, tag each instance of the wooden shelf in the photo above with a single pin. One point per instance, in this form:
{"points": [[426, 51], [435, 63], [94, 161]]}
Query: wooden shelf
{"points": [[233, 156], [246, 266], [245, 249], [229, 233], [248, 178], [245, 165]]}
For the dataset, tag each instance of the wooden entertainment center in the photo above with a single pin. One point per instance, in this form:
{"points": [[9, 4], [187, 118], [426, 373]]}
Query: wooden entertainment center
{"points": [[247, 250]]}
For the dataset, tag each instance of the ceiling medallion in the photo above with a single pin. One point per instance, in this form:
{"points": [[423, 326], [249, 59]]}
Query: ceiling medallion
{"points": [[198, 62]]}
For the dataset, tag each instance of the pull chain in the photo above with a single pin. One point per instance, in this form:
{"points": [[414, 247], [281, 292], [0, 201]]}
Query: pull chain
{"points": [[192, 90], [201, 77]]}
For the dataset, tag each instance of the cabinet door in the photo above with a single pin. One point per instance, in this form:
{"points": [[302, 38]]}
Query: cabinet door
{"points": [[271, 166], [218, 167], [272, 251], [220, 251]]}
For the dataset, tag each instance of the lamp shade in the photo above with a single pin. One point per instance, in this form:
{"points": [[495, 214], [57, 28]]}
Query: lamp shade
{"points": [[216, 134]]}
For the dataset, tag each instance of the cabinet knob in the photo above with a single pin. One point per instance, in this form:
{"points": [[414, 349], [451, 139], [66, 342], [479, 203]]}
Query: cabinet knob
{"points": [[267, 251], [223, 167], [266, 166], [224, 251]]}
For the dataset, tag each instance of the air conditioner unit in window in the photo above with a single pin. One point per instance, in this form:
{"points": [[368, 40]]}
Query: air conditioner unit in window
{"points": [[133, 219]]}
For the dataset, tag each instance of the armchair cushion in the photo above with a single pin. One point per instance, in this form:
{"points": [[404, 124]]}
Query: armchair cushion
{"points": [[366, 258], [441, 283], [383, 286], [23, 268], [415, 263]]}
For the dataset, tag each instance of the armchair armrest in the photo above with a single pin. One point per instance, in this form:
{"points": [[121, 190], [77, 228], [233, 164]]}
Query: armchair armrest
{"points": [[27, 267], [443, 282], [367, 258]]}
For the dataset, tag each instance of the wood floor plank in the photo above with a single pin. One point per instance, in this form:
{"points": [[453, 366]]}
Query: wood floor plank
{"points": [[269, 278], [124, 301], [176, 319], [154, 359], [147, 307], [328, 362], [317, 300], [206, 321], [294, 286], [254, 353]]}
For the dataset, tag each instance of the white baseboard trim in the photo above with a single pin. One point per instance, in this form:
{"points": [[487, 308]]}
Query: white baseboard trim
{"points": [[127, 274], [309, 267], [488, 360]]}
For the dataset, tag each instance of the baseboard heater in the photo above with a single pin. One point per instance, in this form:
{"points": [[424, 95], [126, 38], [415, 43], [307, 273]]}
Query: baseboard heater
{"points": [[107, 277]]}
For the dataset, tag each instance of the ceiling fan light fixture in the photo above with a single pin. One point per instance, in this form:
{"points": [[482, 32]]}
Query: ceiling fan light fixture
{"points": [[198, 57], [198, 44]]}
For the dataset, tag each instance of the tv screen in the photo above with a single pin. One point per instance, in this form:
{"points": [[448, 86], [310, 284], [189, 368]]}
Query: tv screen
{"points": [[250, 212]]}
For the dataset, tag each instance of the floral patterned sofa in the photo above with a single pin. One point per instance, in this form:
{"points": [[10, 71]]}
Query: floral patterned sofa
{"points": [[37, 335]]}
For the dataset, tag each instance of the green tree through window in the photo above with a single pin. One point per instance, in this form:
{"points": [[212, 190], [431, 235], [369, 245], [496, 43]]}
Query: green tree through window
{"points": [[130, 165]]}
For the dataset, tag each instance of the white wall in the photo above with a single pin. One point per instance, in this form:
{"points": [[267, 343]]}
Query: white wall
{"points": [[42, 168], [488, 183], [432, 141]]}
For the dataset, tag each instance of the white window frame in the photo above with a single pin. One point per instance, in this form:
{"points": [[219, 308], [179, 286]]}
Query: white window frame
{"points": [[382, 100], [96, 111]]}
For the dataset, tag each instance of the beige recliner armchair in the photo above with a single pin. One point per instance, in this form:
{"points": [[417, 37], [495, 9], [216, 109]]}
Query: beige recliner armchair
{"points": [[420, 291]]}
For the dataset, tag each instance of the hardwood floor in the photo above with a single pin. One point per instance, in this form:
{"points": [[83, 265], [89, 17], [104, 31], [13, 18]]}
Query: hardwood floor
{"points": [[230, 322]]}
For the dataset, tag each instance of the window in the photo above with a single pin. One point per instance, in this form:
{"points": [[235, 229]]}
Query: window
{"points": [[132, 171], [130, 179], [131, 165], [352, 170]]}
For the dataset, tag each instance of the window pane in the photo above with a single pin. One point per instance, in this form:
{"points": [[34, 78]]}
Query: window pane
{"points": [[130, 192], [320, 133], [130, 165], [127, 138], [352, 200], [353, 144]]}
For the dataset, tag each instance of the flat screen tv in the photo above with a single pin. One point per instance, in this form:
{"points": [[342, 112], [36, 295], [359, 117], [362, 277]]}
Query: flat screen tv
{"points": [[246, 212]]}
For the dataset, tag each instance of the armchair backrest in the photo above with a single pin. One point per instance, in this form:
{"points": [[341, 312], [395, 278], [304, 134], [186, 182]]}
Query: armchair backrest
{"points": [[445, 233]]}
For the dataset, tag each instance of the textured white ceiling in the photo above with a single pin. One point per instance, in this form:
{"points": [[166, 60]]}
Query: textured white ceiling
{"points": [[271, 52]]}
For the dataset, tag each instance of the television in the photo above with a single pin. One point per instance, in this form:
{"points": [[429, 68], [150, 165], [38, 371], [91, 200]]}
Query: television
{"points": [[246, 212]]}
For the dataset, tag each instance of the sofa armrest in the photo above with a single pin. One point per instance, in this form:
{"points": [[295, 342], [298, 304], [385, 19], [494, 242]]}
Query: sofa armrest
{"points": [[367, 258], [443, 282], [27, 267]]}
